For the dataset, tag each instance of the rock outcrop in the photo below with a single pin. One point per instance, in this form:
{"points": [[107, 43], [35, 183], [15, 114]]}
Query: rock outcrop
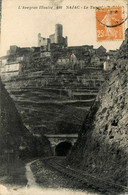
{"points": [[101, 149], [15, 140]]}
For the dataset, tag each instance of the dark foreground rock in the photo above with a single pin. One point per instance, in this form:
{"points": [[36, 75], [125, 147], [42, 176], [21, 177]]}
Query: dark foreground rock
{"points": [[15, 140], [101, 148], [13, 173]]}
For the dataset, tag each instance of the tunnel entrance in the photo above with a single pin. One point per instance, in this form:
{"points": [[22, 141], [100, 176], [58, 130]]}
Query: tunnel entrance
{"points": [[63, 148]]}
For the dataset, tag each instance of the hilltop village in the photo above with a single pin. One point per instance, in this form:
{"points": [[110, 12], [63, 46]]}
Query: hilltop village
{"points": [[52, 82], [53, 54]]}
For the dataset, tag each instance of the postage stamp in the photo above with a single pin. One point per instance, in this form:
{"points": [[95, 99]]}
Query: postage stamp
{"points": [[109, 23]]}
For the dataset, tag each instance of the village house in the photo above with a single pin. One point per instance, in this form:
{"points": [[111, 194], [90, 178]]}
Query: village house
{"points": [[73, 59], [110, 61], [11, 70], [63, 61], [108, 65], [100, 51], [45, 54], [95, 60]]}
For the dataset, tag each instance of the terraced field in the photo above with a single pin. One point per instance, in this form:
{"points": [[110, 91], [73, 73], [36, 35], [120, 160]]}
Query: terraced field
{"points": [[54, 102]]}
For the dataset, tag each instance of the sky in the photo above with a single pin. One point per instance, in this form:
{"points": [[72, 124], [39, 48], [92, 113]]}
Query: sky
{"points": [[22, 20]]}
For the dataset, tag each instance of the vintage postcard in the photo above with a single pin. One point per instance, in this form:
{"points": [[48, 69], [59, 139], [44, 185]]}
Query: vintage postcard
{"points": [[63, 97]]}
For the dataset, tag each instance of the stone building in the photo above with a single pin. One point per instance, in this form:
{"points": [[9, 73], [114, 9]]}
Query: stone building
{"points": [[45, 54], [63, 61], [43, 41], [73, 59], [52, 38], [110, 61], [108, 65], [10, 70], [95, 60], [13, 49], [4, 60]]}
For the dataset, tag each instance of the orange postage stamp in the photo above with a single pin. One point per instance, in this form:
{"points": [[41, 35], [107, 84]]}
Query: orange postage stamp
{"points": [[109, 23]]}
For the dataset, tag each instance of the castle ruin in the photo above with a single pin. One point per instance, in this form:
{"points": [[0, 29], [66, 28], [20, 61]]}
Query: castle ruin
{"points": [[56, 38]]}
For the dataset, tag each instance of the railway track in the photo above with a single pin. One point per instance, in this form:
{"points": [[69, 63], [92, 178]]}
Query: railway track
{"points": [[87, 180]]}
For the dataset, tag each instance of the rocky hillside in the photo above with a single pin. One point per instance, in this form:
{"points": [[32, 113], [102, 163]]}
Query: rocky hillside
{"points": [[101, 149], [15, 140]]}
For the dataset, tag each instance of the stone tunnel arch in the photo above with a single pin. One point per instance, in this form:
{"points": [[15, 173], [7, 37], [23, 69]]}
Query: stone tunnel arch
{"points": [[56, 139], [63, 148]]}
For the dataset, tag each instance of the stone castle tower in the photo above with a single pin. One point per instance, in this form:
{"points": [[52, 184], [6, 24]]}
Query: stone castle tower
{"points": [[58, 33]]}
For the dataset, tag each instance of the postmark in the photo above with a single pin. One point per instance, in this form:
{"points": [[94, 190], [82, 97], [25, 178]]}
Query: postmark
{"points": [[109, 23]]}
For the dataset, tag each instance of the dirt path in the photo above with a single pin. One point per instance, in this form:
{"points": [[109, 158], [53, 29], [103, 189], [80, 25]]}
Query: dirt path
{"points": [[29, 175]]}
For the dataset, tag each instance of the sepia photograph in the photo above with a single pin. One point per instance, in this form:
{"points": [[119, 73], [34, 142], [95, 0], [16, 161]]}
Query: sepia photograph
{"points": [[63, 97]]}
